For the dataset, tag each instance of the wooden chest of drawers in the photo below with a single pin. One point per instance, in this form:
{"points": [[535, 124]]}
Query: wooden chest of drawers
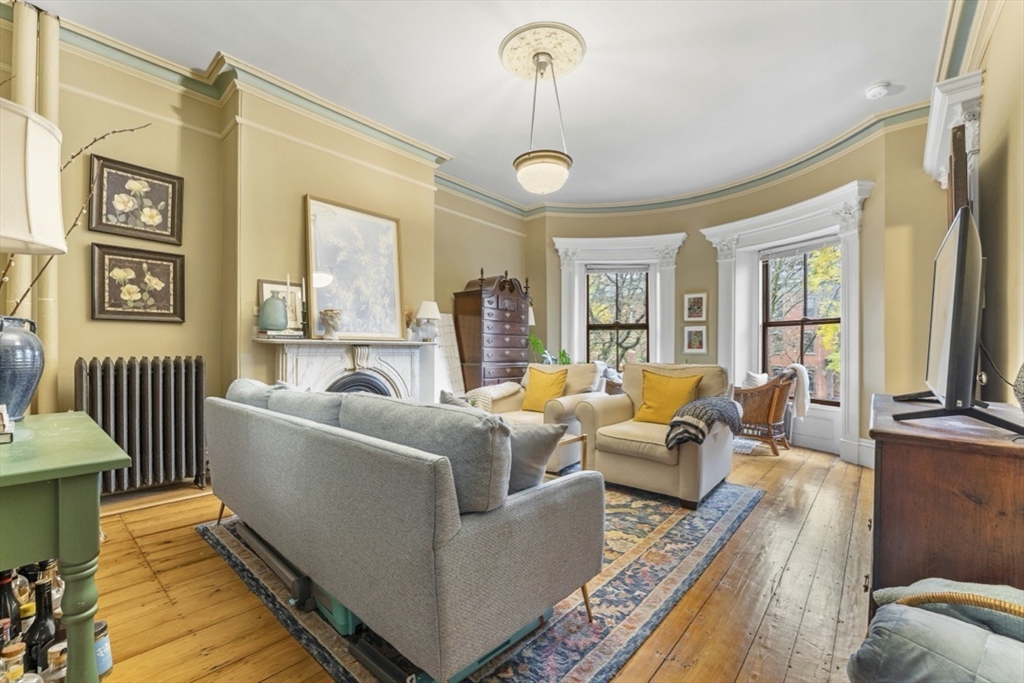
{"points": [[491, 326]]}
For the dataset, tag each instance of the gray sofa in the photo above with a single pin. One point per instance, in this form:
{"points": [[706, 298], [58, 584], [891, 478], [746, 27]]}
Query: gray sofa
{"points": [[401, 512]]}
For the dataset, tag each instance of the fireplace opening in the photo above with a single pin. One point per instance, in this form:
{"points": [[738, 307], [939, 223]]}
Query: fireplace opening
{"points": [[360, 381]]}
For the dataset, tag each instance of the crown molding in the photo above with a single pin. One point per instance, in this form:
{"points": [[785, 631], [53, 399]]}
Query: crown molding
{"points": [[213, 84], [955, 39], [954, 101]]}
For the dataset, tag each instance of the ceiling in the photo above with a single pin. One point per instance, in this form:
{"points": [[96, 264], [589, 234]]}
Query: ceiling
{"points": [[673, 98]]}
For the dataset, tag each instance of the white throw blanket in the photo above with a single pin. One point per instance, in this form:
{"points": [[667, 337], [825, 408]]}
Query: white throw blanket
{"points": [[483, 397], [802, 396]]}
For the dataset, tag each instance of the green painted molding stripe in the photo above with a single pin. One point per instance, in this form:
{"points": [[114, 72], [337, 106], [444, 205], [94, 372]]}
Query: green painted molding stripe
{"points": [[232, 72], [320, 110], [496, 202], [963, 34], [837, 147]]}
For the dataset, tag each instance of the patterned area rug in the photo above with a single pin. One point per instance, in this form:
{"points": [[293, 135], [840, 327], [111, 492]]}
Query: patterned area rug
{"points": [[654, 552], [744, 446]]}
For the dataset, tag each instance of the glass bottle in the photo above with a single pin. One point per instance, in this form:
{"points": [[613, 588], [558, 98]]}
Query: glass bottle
{"points": [[22, 589], [48, 570], [57, 663], [42, 631], [10, 608], [12, 661]]}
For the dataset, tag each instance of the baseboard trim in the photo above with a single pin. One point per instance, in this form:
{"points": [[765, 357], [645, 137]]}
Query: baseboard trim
{"points": [[867, 453]]}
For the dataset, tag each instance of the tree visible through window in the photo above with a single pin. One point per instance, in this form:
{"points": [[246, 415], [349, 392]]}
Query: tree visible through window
{"points": [[617, 322], [801, 318]]}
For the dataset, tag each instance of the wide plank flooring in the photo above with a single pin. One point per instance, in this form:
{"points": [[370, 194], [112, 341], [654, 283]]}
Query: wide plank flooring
{"points": [[785, 599]]}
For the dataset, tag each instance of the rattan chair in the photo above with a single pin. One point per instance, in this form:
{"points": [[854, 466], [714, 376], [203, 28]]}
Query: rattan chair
{"points": [[764, 408]]}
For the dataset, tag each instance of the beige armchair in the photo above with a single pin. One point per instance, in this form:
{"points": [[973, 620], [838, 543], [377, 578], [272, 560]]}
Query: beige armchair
{"points": [[633, 453], [582, 382]]}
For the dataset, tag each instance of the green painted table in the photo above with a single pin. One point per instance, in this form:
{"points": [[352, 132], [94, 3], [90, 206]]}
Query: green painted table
{"points": [[50, 507]]}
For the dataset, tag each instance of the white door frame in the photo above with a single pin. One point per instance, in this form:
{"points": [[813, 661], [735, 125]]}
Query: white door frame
{"points": [[836, 213], [657, 253]]}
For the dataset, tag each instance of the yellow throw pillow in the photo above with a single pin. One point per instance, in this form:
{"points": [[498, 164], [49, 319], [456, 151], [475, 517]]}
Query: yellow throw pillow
{"points": [[542, 387], [664, 395]]}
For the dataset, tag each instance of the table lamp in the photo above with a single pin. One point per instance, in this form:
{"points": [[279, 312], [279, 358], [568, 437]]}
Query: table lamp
{"points": [[427, 314]]}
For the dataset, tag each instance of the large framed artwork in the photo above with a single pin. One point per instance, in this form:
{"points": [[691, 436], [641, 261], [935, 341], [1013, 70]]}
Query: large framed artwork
{"points": [[353, 267], [134, 284], [136, 202]]}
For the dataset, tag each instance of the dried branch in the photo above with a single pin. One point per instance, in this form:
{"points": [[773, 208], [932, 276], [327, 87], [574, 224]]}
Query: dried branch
{"points": [[42, 269], [100, 138], [3, 276], [7, 80]]}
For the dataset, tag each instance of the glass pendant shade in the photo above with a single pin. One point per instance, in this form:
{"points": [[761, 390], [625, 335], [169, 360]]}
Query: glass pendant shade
{"points": [[542, 171]]}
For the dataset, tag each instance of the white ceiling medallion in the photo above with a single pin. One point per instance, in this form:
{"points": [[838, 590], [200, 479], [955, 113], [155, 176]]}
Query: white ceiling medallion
{"points": [[563, 43], [877, 91], [540, 51]]}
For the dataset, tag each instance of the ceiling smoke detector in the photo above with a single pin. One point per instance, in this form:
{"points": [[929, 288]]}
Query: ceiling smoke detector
{"points": [[877, 91]]}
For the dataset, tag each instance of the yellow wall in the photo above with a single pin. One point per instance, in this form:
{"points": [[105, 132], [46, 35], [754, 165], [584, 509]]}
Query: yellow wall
{"points": [[182, 139], [283, 155], [1001, 205], [903, 222], [469, 236]]}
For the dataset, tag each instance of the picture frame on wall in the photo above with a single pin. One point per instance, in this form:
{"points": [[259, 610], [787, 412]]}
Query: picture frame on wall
{"points": [[135, 284], [133, 201], [293, 298], [695, 339], [353, 267], [695, 307]]}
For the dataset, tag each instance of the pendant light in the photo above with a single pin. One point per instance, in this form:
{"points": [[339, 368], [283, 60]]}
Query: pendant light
{"points": [[539, 51]]}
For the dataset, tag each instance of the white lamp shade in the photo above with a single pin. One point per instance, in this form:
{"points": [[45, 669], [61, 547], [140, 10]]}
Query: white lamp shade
{"points": [[429, 311], [531, 320], [542, 171], [31, 220]]}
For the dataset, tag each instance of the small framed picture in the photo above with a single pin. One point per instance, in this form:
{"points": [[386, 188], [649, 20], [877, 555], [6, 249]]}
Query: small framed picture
{"points": [[695, 339], [135, 202], [133, 284], [695, 307], [292, 294]]}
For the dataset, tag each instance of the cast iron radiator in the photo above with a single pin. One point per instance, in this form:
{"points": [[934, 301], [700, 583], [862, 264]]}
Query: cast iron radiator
{"points": [[153, 409]]}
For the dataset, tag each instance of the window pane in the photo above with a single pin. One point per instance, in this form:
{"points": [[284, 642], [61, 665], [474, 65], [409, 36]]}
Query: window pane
{"points": [[630, 342], [783, 348], [823, 277], [632, 298], [786, 288], [601, 298], [603, 347], [821, 357]]}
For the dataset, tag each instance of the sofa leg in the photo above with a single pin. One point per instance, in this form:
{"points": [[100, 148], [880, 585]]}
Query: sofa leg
{"points": [[688, 504], [220, 515], [586, 603]]}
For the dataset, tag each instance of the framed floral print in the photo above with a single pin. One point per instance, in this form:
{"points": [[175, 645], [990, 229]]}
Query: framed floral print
{"points": [[136, 202], [134, 284], [695, 339], [695, 307], [353, 271]]}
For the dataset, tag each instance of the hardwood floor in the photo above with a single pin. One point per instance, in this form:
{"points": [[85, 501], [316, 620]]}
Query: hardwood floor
{"points": [[785, 599]]}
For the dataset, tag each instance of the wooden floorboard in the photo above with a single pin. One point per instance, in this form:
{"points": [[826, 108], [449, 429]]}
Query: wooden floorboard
{"points": [[783, 600]]}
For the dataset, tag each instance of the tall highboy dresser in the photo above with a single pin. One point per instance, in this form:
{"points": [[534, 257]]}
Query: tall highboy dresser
{"points": [[491, 326]]}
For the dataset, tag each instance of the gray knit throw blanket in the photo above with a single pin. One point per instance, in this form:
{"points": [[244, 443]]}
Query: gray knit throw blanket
{"points": [[693, 421]]}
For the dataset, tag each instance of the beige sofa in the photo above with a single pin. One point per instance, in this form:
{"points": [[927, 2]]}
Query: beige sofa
{"points": [[583, 381], [634, 454]]}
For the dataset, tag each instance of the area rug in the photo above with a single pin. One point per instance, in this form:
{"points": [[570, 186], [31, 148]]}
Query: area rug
{"points": [[654, 552], [744, 446]]}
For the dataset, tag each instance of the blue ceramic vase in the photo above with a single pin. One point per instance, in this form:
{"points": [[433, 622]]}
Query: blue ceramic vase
{"points": [[21, 364], [274, 313]]}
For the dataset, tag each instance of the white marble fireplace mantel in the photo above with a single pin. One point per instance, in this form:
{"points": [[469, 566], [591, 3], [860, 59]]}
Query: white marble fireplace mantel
{"points": [[315, 364]]}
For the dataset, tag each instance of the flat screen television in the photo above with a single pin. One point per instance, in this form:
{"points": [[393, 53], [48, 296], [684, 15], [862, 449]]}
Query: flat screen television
{"points": [[954, 332], [956, 314]]}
